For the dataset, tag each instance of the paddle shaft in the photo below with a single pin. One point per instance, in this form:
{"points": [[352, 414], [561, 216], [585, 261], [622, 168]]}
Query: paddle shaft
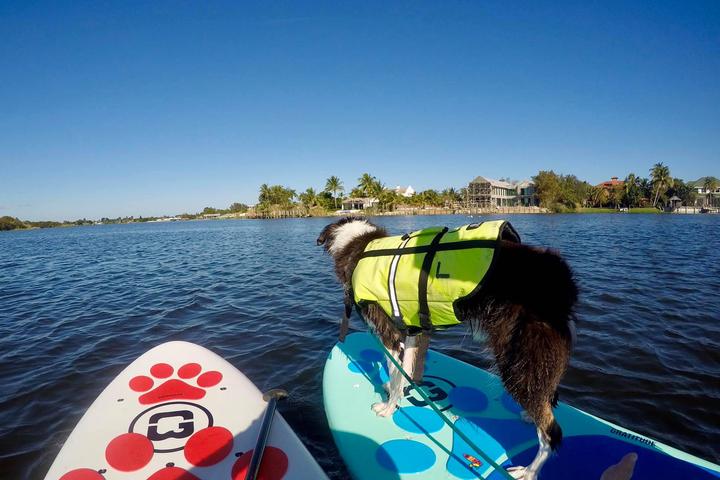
{"points": [[272, 398]]}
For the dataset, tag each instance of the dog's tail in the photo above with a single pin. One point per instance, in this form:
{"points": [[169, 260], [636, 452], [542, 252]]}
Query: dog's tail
{"points": [[531, 367], [552, 430], [555, 434], [530, 328]]}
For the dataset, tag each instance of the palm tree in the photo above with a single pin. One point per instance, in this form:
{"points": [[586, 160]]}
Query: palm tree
{"points": [[599, 196], [630, 189], [450, 196], [275, 195], [710, 185], [431, 197], [367, 183], [308, 198], [376, 189], [645, 187], [264, 196], [334, 185], [388, 199], [660, 178]]}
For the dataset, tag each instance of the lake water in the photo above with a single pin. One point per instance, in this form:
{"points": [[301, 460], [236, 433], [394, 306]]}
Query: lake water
{"points": [[78, 304]]}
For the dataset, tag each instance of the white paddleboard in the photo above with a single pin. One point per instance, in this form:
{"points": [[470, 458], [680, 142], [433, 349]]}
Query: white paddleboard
{"points": [[179, 412]]}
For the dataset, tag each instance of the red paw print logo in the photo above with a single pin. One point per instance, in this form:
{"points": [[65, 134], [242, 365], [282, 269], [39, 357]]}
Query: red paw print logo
{"points": [[169, 431], [174, 388]]}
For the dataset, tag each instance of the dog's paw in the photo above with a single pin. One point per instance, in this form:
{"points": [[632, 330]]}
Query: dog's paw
{"points": [[518, 473], [383, 409]]}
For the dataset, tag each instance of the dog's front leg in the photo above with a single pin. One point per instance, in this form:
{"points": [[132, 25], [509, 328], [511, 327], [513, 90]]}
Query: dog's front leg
{"points": [[393, 372], [397, 381]]}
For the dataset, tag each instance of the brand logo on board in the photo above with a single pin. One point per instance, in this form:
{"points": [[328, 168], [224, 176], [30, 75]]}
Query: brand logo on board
{"points": [[169, 425], [436, 389]]}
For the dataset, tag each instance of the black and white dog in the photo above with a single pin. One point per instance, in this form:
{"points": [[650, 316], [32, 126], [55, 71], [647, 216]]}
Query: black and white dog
{"points": [[524, 312]]}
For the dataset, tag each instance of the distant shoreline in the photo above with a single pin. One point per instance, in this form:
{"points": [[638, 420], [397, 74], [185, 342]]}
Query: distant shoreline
{"points": [[280, 214]]}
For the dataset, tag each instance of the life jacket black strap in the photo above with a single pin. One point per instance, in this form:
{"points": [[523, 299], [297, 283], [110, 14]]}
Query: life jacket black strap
{"points": [[345, 322], [467, 244], [424, 309]]}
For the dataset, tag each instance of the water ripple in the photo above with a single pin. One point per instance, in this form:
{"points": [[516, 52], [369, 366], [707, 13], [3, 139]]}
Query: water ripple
{"points": [[77, 305]]}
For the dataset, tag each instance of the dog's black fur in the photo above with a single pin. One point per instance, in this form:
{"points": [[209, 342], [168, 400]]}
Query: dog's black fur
{"points": [[524, 310]]}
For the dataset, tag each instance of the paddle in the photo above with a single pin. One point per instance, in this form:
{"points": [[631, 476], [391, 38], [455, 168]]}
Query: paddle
{"points": [[272, 397]]}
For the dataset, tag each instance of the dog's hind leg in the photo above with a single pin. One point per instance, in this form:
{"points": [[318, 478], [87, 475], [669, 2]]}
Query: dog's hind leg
{"points": [[531, 365], [398, 382], [532, 471]]}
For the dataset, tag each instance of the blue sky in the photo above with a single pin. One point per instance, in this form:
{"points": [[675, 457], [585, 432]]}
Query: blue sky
{"points": [[154, 107]]}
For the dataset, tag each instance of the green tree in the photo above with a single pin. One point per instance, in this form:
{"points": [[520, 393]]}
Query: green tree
{"points": [[615, 196], [646, 190], [684, 191], [369, 185], [661, 179], [431, 197], [325, 200], [450, 197], [388, 199], [599, 196], [334, 185], [11, 223], [573, 192], [264, 196], [275, 195], [238, 208], [547, 185], [377, 189], [308, 198], [631, 191]]}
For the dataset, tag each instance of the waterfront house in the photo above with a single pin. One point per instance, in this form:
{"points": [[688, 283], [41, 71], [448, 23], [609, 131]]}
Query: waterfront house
{"points": [[406, 192], [359, 203], [711, 199], [527, 194], [483, 192], [611, 184]]}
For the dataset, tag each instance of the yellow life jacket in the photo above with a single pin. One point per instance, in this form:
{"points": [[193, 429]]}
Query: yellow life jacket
{"points": [[418, 277]]}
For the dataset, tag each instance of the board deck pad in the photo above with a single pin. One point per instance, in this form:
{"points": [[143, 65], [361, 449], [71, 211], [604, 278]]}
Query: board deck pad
{"points": [[416, 444], [179, 412]]}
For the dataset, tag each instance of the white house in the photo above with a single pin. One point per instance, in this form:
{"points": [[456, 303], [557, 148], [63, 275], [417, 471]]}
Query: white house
{"points": [[711, 199], [359, 203], [408, 191]]}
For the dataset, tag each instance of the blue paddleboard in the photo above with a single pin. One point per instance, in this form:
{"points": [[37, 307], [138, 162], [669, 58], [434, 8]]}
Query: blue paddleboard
{"points": [[415, 443]]}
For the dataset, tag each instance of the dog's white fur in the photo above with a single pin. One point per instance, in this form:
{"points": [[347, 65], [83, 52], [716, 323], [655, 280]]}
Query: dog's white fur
{"points": [[397, 383], [347, 232], [533, 470]]}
